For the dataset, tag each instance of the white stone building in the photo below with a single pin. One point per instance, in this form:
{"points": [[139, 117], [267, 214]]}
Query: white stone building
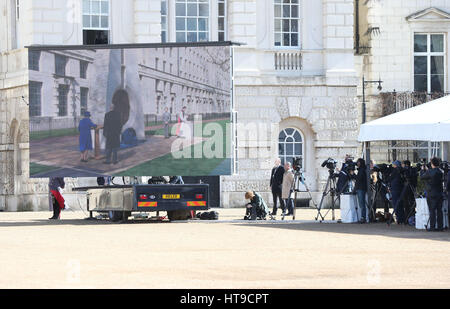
{"points": [[405, 44], [295, 73]]}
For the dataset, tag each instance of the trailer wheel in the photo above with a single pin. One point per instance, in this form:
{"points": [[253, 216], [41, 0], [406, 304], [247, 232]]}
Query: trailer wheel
{"points": [[175, 215], [115, 216]]}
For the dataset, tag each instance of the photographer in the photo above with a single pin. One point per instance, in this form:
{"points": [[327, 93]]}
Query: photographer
{"points": [[361, 187], [396, 188], [288, 180], [434, 177], [257, 208], [345, 175], [276, 181], [411, 176]]}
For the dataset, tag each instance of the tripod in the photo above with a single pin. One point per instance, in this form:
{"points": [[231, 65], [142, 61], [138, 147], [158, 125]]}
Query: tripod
{"points": [[298, 179], [379, 186], [406, 186], [331, 189]]}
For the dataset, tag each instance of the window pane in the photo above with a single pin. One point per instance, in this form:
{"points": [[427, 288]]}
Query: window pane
{"points": [[95, 20], [286, 39], [420, 65], [294, 39], [203, 10], [277, 39], [298, 149], [181, 37], [437, 83], [86, 21], [95, 7], [294, 25], [192, 9], [192, 24], [420, 83], [437, 65], [277, 10], [221, 25], [192, 36], [221, 9], [277, 25], [86, 7], [437, 43], [181, 24], [420, 43], [181, 9], [104, 22], [286, 11], [163, 7], [203, 36], [297, 137], [285, 25], [105, 7], [290, 149], [221, 36], [290, 131], [203, 24], [294, 11]]}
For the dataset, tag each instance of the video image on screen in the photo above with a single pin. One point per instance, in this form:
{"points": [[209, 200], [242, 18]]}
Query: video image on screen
{"points": [[130, 111]]}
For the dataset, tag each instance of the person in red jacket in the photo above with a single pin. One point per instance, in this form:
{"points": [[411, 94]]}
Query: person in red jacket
{"points": [[57, 199]]}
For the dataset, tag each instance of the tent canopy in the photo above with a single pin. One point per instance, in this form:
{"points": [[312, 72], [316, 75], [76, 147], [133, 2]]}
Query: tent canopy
{"points": [[426, 122]]}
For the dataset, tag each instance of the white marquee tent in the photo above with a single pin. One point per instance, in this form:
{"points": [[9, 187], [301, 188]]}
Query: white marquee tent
{"points": [[426, 122]]}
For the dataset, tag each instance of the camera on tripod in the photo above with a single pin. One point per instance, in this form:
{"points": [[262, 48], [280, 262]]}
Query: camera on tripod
{"points": [[330, 164], [422, 163], [297, 164], [384, 169], [445, 166]]}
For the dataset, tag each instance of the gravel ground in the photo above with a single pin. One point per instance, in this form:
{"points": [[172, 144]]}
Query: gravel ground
{"points": [[229, 253]]}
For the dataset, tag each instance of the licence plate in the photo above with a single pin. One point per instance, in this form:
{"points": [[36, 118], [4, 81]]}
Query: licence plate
{"points": [[171, 196]]}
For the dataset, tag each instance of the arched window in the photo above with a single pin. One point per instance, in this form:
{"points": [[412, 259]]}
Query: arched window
{"points": [[290, 145]]}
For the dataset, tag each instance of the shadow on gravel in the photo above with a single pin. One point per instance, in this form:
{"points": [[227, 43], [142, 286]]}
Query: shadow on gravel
{"points": [[377, 229], [74, 222]]}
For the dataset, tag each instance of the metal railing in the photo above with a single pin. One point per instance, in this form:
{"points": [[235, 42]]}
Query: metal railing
{"points": [[393, 102]]}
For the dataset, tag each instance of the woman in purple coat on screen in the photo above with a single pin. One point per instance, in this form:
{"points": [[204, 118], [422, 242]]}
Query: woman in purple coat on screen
{"points": [[85, 127]]}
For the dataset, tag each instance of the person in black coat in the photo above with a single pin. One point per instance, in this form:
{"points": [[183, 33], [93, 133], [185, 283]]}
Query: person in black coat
{"points": [[112, 128], [433, 178], [396, 187], [276, 181], [361, 187]]}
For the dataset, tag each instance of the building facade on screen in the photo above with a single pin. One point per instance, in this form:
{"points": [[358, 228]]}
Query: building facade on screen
{"points": [[297, 74]]}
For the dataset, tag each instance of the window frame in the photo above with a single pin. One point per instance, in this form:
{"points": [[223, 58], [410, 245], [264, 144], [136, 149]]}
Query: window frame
{"points": [[108, 29], [299, 30], [66, 60], [33, 107], [285, 156], [165, 27], [430, 54], [209, 18], [66, 99], [225, 20]]}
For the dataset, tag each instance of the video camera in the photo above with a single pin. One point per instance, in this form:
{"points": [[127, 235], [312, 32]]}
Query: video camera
{"points": [[422, 163], [330, 164], [384, 169], [445, 166], [297, 164]]}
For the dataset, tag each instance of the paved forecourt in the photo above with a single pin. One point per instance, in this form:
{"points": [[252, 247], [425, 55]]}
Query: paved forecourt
{"points": [[229, 253]]}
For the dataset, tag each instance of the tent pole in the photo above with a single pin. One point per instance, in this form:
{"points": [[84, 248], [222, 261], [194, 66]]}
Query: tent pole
{"points": [[369, 192]]}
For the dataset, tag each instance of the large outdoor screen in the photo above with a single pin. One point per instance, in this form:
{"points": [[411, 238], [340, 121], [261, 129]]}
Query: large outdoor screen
{"points": [[139, 110]]}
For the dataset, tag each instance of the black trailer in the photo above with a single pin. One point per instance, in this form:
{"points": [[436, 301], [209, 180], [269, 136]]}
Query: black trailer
{"points": [[120, 201]]}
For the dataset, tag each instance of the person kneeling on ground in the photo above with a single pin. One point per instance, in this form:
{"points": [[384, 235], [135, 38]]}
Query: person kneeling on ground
{"points": [[257, 208]]}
